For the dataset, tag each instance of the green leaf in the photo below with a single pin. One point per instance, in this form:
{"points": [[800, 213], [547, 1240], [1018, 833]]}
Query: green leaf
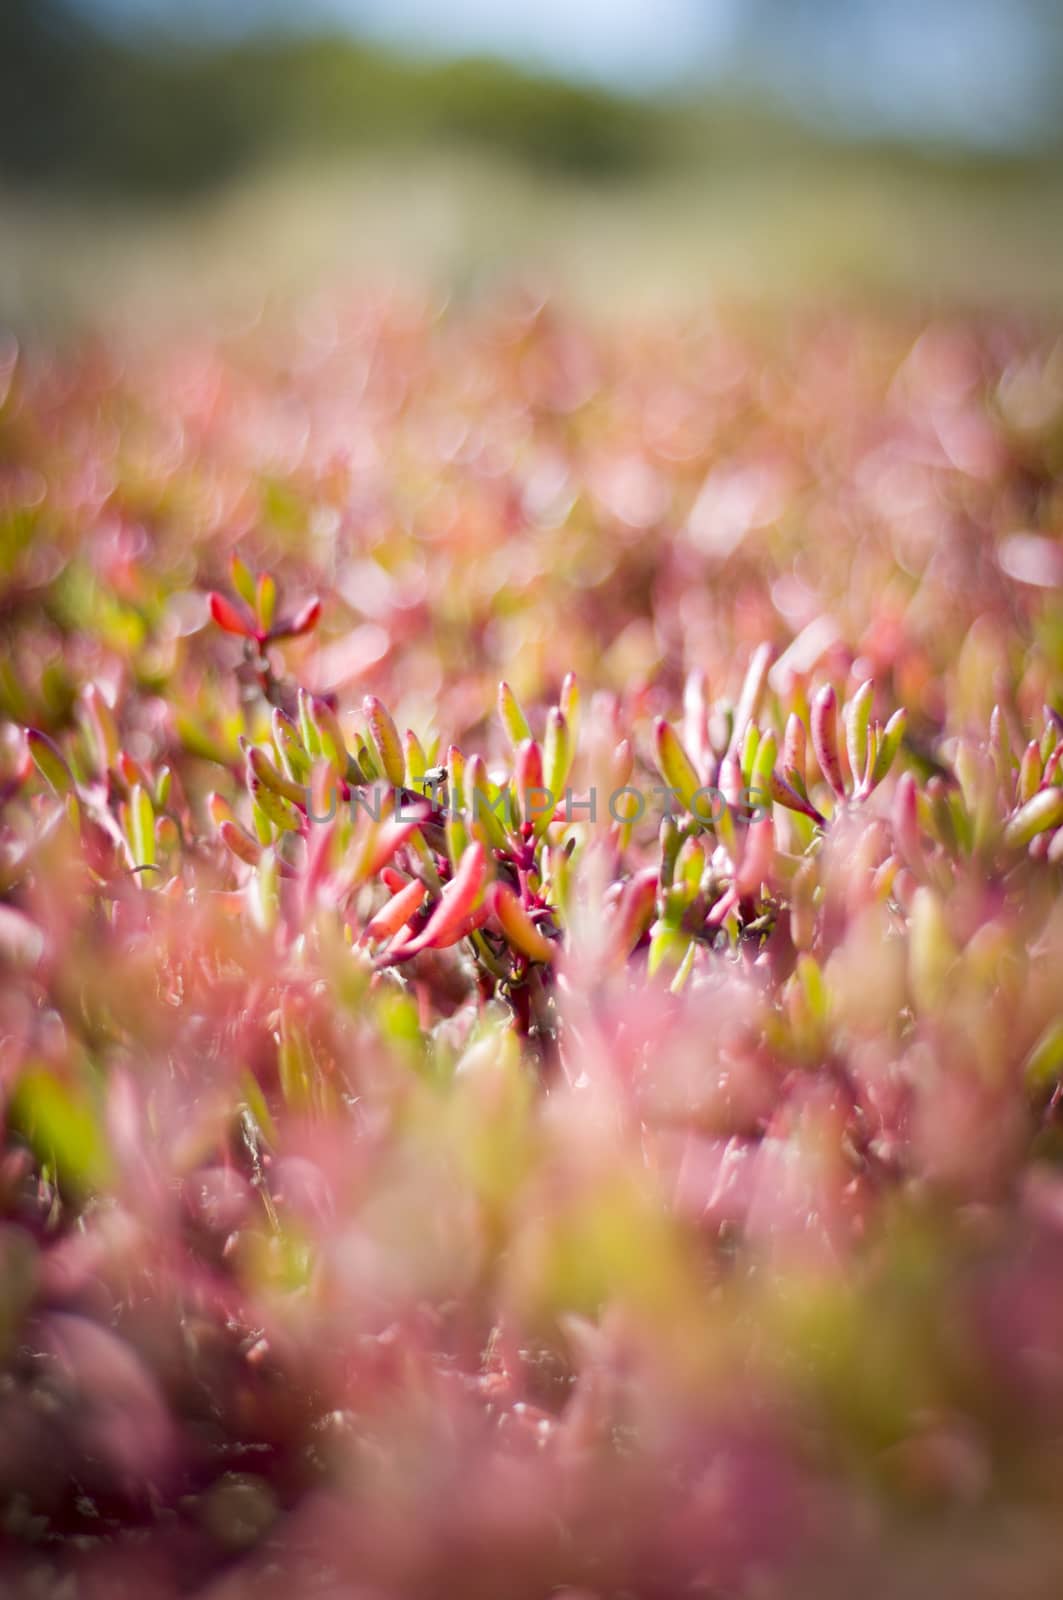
{"points": [[48, 761], [265, 601], [512, 716], [385, 737], [1044, 1066], [102, 727], [675, 766], [263, 892], [141, 831], [1044, 811], [416, 762], [762, 772], [892, 736], [61, 1124], [558, 752], [242, 580]]}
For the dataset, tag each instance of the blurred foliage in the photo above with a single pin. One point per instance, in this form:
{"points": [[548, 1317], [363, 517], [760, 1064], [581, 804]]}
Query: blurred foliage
{"points": [[570, 1204], [159, 114], [149, 181], [162, 114]]}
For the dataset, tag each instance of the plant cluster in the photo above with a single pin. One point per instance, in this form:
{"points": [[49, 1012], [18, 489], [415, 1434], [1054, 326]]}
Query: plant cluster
{"points": [[428, 1167]]}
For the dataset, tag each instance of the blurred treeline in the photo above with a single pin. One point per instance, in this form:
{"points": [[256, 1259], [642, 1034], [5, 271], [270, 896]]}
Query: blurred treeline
{"points": [[158, 114], [79, 107]]}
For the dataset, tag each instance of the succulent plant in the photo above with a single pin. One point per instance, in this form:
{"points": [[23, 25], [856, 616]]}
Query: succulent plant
{"points": [[533, 1053]]}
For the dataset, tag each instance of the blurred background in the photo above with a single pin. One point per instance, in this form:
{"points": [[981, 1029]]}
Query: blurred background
{"points": [[160, 155]]}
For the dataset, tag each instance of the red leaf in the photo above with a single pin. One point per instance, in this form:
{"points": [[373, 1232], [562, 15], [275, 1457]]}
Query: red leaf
{"points": [[303, 622], [227, 616], [398, 911], [454, 913]]}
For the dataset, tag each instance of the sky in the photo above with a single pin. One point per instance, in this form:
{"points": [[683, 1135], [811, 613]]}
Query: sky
{"points": [[634, 43], [626, 43], [968, 69]]}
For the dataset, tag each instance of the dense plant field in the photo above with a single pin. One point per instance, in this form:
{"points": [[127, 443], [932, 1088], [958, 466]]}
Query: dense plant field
{"points": [[530, 959]]}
